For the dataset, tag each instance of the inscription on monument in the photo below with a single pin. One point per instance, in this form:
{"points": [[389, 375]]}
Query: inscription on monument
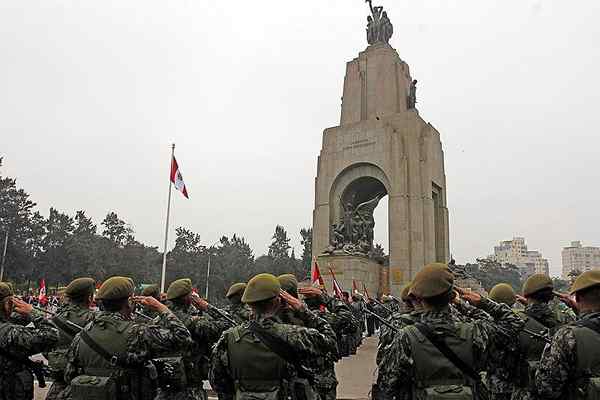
{"points": [[357, 144]]}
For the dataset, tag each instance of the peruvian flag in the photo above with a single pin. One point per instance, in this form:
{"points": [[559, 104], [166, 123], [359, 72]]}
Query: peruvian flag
{"points": [[177, 178], [337, 288], [42, 299], [366, 291], [316, 276], [354, 286]]}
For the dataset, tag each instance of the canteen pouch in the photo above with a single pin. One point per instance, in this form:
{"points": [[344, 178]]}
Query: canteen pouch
{"points": [[171, 372], [445, 392], [87, 387]]}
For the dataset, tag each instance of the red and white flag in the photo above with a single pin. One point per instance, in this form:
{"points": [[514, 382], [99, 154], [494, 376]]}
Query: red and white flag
{"points": [[42, 294], [316, 276], [177, 178], [337, 288]]}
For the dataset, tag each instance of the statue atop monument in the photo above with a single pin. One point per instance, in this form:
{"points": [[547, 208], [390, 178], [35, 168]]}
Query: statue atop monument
{"points": [[353, 234], [379, 26]]}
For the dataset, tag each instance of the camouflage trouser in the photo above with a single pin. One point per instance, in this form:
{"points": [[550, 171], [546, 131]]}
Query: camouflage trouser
{"points": [[190, 393], [326, 383], [500, 396], [54, 393]]}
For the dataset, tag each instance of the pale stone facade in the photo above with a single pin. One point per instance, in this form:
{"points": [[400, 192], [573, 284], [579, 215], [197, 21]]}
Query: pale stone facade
{"points": [[580, 258], [515, 252], [382, 146]]}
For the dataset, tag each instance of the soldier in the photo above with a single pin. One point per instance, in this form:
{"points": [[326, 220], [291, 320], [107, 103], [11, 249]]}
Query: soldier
{"points": [[78, 298], [145, 314], [340, 318], [289, 284], [357, 306], [440, 351], [205, 332], [539, 317], [238, 310], [569, 367], [17, 343], [109, 358], [262, 359]]}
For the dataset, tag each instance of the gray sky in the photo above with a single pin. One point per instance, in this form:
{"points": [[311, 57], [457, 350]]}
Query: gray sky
{"points": [[93, 92]]}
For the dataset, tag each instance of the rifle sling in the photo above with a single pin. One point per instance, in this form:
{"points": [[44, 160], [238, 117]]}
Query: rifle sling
{"points": [[113, 359], [439, 343], [277, 346], [70, 331]]}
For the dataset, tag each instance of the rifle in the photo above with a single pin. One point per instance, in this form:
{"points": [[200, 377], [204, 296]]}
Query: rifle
{"points": [[223, 314], [383, 320], [63, 321], [146, 317]]}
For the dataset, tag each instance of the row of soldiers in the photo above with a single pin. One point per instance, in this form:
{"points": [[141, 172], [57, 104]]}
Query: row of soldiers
{"points": [[453, 343], [267, 344]]}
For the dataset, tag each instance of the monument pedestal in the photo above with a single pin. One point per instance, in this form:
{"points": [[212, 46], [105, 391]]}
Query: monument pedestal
{"points": [[362, 270]]}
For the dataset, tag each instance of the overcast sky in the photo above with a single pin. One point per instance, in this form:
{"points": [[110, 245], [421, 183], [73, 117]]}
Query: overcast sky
{"points": [[92, 93]]}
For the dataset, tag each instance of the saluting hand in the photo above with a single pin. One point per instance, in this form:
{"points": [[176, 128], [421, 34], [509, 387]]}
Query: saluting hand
{"points": [[565, 298], [199, 302], [521, 299], [20, 307], [291, 301], [310, 291], [472, 297], [151, 303]]}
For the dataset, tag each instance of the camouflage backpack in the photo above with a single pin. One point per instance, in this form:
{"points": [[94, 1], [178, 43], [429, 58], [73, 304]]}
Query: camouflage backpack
{"points": [[437, 377], [587, 386]]}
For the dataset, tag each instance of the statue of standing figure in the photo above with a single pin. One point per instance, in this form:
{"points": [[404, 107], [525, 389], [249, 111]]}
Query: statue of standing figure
{"points": [[379, 26]]}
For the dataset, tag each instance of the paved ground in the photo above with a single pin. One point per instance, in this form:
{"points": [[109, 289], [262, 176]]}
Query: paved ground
{"points": [[356, 374]]}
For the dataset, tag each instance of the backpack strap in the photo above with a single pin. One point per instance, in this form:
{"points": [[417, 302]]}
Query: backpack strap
{"points": [[443, 348], [113, 359]]}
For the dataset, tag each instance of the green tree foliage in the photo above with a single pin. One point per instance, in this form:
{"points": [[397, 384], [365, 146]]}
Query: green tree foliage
{"points": [[490, 273], [306, 242], [280, 246]]}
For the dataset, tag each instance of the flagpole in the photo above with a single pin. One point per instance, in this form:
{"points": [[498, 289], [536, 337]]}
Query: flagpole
{"points": [[164, 264], [4, 256]]}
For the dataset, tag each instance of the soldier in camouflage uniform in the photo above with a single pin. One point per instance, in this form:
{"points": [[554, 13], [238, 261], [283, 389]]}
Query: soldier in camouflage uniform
{"points": [[78, 298], [414, 365], [144, 314], [238, 310], [340, 318], [263, 358], [541, 318], [205, 328], [131, 344], [16, 381], [570, 366]]}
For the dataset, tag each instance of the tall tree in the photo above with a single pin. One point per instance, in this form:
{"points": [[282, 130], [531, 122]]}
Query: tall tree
{"points": [[306, 242], [280, 246], [117, 230]]}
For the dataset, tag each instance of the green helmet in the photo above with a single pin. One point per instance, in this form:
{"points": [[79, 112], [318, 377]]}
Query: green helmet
{"points": [[261, 287], [235, 292], [5, 290], [585, 281], [179, 288], [433, 280], [117, 287], [81, 287], [503, 293], [152, 291], [537, 282], [405, 293], [289, 283]]}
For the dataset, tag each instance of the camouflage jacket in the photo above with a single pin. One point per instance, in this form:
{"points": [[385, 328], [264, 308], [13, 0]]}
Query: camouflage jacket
{"points": [[240, 312], [76, 314], [22, 341], [387, 334], [396, 378], [168, 334], [308, 343], [552, 317], [557, 371], [205, 330]]}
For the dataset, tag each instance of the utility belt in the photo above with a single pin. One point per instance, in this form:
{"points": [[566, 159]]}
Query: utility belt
{"points": [[294, 389]]}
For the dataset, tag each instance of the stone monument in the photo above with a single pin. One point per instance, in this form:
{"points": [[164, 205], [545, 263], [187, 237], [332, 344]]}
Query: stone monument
{"points": [[382, 147]]}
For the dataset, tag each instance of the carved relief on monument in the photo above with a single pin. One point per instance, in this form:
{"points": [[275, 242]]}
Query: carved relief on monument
{"points": [[379, 26]]}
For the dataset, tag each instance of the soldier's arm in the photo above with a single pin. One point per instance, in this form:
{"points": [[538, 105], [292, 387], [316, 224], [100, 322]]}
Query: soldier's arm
{"points": [[167, 334], [72, 370], [471, 312], [219, 374], [205, 330], [396, 371], [32, 341], [557, 365]]}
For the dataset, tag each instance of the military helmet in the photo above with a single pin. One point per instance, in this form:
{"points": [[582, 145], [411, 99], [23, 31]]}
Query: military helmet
{"points": [[5, 290], [289, 283], [503, 293], [537, 282], [261, 287], [116, 287], [405, 293], [237, 289], [152, 291], [433, 280], [585, 281], [179, 288], [80, 287]]}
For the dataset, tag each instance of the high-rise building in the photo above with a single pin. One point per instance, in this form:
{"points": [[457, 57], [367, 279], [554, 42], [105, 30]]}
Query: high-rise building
{"points": [[515, 252], [579, 258]]}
